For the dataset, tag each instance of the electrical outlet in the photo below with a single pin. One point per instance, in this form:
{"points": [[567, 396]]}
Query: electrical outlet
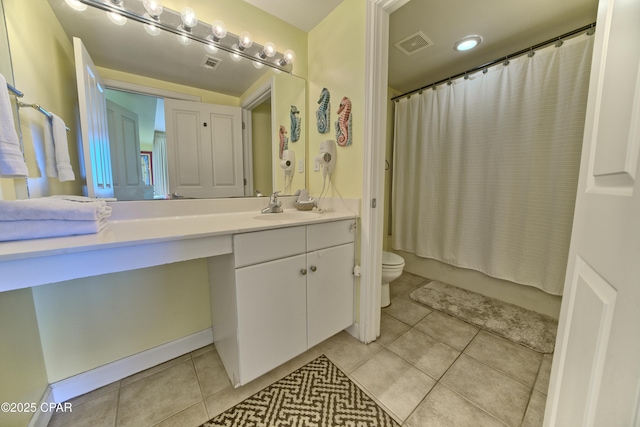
{"points": [[301, 165]]}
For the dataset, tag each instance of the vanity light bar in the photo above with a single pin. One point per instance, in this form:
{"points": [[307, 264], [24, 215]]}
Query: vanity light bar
{"points": [[171, 21]]}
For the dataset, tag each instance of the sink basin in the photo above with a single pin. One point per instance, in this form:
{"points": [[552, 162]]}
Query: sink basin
{"points": [[285, 216]]}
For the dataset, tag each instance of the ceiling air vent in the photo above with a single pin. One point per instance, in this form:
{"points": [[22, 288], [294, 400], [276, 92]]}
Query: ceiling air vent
{"points": [[210, 63], [413, 43]]}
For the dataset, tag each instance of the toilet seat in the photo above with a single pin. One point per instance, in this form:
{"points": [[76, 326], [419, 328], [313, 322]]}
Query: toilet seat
{"points": [[389, 259]]}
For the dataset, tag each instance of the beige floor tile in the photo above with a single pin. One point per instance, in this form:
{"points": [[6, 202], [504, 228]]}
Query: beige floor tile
{"points": [[426, 353], [227, 398], [512, 359], [444, 408], [542, 382], [390, 329], [193, 416], [211, 373], [158, 396], [394, 382], [95, 393], [405, 284], [147, 372], [451, 331], [296, 363], [97, 412], [347, 352], [203, 350], [534, 416], [406, 310], [491, 390]]}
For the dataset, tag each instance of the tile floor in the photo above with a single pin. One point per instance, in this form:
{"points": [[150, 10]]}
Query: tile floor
{"points": [[426, 369]]}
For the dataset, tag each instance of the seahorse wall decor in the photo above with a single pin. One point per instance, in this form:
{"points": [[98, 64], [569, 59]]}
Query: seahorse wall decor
{"points": [[343, 125], [322, 114], [284, 141], [295, 123]]}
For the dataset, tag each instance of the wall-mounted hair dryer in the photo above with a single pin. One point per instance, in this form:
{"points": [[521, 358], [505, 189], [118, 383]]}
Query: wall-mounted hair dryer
{"points": [[327, 157], [288, 162]]}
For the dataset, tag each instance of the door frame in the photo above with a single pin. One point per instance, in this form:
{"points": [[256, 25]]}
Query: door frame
{"points": [[260, 95], [372, 212]]}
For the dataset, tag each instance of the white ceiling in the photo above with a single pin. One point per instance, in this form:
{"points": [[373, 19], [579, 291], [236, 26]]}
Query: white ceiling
{"points": [[506, 26], [304, 14]]}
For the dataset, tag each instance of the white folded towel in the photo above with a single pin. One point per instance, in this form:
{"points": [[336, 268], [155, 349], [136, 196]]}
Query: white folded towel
{"points": [[37, 229], [12, 163], [55, 208], [56, 149]]}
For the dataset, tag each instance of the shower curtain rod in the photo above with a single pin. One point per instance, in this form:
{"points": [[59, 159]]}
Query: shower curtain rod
{"points": [[589, 28]]}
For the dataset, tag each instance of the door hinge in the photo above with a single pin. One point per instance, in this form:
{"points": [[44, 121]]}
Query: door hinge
{"points": [[244, 126], [374, 203], [356, 271], [245, 181]]}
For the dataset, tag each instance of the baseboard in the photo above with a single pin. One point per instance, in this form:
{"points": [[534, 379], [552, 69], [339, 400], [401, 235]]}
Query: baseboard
{"points": [[41, 418], [354, 330], [106, 374]]}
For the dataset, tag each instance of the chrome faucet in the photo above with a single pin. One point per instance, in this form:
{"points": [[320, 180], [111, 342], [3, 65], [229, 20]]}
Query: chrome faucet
{"points": [[275, 206]]}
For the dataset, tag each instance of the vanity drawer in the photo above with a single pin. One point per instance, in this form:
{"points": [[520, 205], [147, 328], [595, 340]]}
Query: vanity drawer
{"points": [[328, 234], [262, 246]]}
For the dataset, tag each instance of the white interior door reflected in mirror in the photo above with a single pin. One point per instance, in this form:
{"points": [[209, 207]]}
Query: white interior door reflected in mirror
{"points": [[96, 154], [204, 149]]}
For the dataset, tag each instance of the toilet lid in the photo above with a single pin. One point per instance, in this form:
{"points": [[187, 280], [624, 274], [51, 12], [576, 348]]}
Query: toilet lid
{"points": [[389, 258]]}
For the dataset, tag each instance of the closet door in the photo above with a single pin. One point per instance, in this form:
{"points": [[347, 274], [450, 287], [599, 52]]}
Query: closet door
{"points": [[204, 149]]}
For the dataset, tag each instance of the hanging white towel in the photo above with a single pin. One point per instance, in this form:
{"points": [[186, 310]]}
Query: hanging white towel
{"points": [[12, 163], [56, 148]]}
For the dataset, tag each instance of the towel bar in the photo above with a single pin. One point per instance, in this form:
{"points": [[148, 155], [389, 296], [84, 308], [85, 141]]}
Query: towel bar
{"points": [[39, 108]]}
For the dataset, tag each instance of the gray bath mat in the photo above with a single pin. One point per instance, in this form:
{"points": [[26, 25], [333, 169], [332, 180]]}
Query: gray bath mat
{"points": [[531, 329]]}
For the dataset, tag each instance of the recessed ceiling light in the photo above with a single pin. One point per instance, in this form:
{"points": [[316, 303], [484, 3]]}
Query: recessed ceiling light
{"points": [[467, 43]]}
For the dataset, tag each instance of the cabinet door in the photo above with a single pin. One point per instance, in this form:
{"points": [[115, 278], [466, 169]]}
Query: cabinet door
{"points": [[330, 289], [272, 315]]}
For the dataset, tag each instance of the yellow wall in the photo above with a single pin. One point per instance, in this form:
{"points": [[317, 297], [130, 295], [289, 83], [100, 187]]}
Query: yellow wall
{"points": [[86, 323], [261, 148], [22, 371], [337, 62], [34, 32]]}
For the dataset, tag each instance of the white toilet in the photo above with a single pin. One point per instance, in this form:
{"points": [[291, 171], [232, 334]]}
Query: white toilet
{"points": [[392, 265]]}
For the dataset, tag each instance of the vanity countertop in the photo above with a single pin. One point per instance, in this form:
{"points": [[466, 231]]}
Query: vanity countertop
{"points": [[131, 243]]}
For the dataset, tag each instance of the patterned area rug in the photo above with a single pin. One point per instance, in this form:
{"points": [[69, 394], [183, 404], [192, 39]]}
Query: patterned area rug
{"points": [[316, 395], [531, 329]]}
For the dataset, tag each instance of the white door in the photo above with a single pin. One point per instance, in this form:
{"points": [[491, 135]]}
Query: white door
{"points": [[124, 137], [204, 149], [93, 121], [595, 378]]}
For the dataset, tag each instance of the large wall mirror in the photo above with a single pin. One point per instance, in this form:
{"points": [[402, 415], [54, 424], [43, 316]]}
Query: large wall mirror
{"points": [[153, 153]]}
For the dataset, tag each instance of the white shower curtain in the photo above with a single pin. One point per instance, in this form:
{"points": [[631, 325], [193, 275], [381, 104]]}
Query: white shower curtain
{"points": [[160, 172], [485, 169]]}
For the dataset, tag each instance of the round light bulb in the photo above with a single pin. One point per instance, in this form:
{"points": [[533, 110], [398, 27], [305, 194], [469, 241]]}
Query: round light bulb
{"points": [[235, 56], [116, 18], [211, 48], [289, 56], [245, 40], [184, 40], [154, 7], [219, 30], [76, 5], [257, 64], [269, 50], [189, 18], [152, 29]]}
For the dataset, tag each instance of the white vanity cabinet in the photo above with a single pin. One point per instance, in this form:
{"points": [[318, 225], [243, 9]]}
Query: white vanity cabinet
{"points": [[287, 290]]}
